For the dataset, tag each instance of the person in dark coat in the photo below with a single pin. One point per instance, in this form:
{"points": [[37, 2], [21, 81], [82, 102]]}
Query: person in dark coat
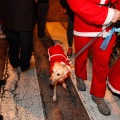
{"points": [[2, 34], [43, 8], [19, 20], [70, 15]]}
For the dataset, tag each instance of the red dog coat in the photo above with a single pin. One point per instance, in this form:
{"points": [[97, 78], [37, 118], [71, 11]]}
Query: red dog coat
{"points": [[56, 54]]}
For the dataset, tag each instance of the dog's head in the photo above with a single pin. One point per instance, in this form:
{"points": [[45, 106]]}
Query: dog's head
{"points": [[59, 73]]}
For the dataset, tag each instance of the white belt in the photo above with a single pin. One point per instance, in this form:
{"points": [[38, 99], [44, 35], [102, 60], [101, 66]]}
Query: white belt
{"points": [[90, 34]]}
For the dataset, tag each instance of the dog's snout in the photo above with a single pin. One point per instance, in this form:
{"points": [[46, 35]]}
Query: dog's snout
{"points": [[51, 82]]}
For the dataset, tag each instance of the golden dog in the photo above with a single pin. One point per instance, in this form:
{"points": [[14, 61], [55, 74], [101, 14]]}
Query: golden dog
{"points": [[59, 67]]}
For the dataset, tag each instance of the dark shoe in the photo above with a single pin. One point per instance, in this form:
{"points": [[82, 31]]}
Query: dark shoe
{"points": [[102, 106], [69, 52], [80, 84], [32, 65], [2, 82], [1, 117], [44, 38]]}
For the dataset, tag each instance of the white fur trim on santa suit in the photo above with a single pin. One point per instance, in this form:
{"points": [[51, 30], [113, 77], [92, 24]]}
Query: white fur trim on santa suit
{"points": [[112, 88], [90, 34], [109, 16], [102, 1]]}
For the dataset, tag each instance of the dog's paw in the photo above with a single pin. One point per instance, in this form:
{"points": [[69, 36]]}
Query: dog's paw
{"points": [[65, 89], [54, 98], [64, 85]]}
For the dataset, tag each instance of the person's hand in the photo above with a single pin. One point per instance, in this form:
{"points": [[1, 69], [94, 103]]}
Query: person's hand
{"points": [[116, 16]]}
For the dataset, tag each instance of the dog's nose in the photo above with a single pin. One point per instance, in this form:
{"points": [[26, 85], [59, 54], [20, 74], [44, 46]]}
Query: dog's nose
{"points": [[51, 82]]}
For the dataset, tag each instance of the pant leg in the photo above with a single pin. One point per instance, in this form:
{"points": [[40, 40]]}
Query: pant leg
{"points": [[70, 27], [35, 10], [13, 42], [100, 67], [42, 18], [26, 45], [80, 61]]}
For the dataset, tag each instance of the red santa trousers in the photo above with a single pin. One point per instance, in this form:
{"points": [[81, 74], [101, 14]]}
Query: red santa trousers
{"points": [[100, 67], [114, 78]]}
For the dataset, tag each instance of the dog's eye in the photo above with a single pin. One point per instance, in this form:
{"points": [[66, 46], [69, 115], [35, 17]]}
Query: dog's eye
{"points": [[52, 71], [58, 74]]}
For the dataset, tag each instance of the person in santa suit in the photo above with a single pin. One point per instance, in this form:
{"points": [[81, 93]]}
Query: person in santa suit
{"points": [[114, 74], [91, 17], [114, 78]]}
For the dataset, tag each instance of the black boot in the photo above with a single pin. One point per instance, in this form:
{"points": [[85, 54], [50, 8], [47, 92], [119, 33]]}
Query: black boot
{"points": [[2, 82], [1, 117]]}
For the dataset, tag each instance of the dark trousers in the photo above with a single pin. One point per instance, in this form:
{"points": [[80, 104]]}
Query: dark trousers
{"points": [[42, 18], [20, 48], [70, 35]]}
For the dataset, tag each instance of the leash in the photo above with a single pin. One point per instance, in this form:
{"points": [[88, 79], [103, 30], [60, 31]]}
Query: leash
{"points": [[89, 44]]}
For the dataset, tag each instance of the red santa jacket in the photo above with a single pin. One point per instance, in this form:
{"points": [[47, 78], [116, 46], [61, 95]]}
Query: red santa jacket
{"points": [[91, 16], [56, 54]]}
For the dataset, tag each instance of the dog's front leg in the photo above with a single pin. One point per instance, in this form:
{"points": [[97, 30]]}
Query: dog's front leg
{"points": [[54, 93], [64, 85]]}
